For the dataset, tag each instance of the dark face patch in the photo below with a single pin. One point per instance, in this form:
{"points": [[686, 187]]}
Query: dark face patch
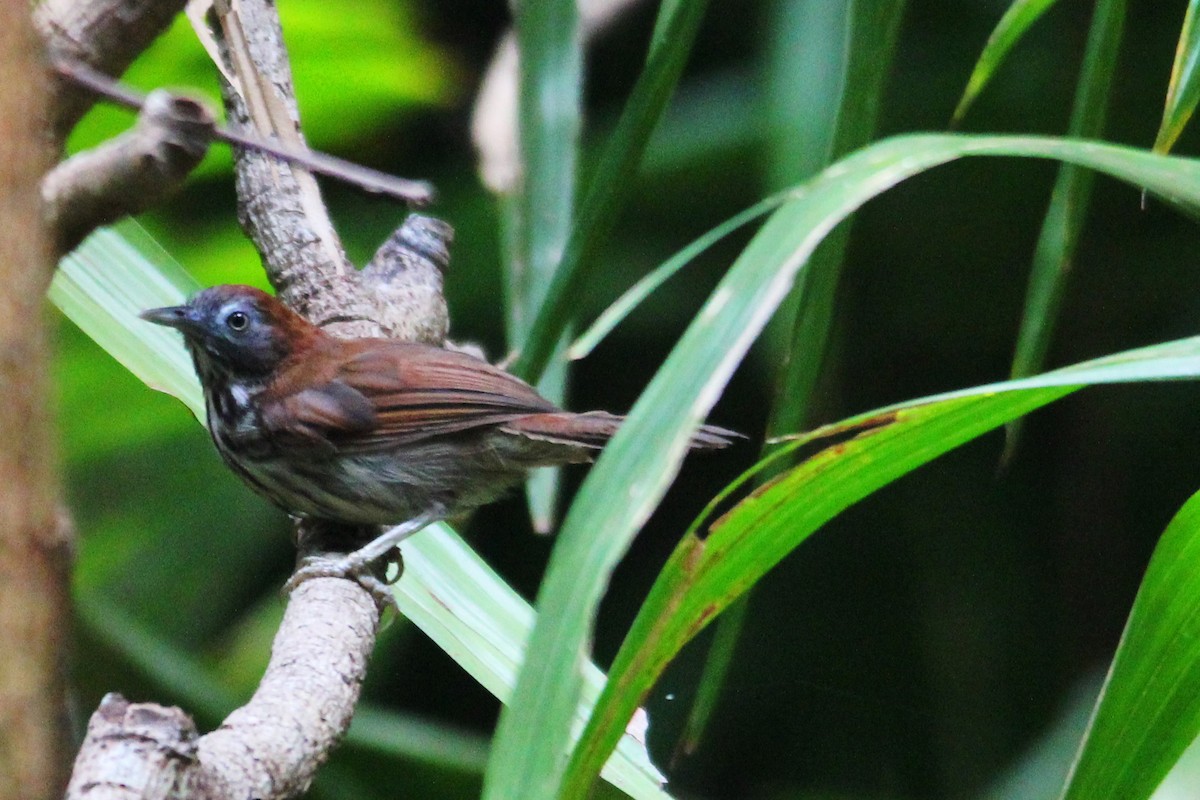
{"points": [[234, 333]]}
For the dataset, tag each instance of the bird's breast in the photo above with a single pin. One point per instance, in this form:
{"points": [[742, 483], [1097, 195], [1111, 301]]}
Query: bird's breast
{"points": [[234, 419]]}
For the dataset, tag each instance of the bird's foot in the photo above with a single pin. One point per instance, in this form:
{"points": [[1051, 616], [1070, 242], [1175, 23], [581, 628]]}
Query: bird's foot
{"points": [[353, 567]]}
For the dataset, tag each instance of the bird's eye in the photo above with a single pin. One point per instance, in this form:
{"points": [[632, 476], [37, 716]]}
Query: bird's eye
{"points": [[237, 321]]}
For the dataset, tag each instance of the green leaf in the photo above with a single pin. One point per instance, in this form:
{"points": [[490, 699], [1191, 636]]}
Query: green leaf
{"points": [[710, 570], [446, 588], [539, 216], [103, 285], [1149, 712], [642, 459], [839, 115], [1012, 26], [674, 32], [612, 316], [1063, 224], [526, 758], [1183, 92]]}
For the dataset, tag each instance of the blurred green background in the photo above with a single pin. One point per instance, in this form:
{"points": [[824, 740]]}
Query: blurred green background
{"points": [[926, 642]]}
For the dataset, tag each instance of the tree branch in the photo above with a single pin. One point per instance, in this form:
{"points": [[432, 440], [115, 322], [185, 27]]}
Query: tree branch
{"points": [[281, 207], [104, 34], [128, 174]]}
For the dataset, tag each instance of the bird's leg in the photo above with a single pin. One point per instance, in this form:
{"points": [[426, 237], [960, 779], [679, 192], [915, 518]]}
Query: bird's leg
{"points": [[356, 566], [392, 537]]}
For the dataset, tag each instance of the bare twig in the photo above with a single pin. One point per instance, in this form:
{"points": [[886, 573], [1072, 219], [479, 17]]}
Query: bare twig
{"points": [[128, 174], [415, 193]]}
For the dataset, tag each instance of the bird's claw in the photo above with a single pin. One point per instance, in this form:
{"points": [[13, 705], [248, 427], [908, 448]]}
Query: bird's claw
{"points": [[349, 568]]}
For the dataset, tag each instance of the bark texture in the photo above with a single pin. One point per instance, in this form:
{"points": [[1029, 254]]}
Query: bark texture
{"points": [[34, 548], [281, 209]]}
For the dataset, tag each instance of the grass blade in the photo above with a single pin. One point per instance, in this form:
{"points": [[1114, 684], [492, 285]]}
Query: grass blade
{"points": [[1149, 711], [1063, 224], [550, 43], [1012, 26], [860, 66], [674, 33], [645, 454], [616, 313], [1183, 92], [708, 570]]}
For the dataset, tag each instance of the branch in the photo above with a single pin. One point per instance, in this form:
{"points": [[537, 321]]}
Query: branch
{"points": [[281, 208], [140, 169], [405, 277], [415, 193], [269, 748], [128, 174], [107, 35]]}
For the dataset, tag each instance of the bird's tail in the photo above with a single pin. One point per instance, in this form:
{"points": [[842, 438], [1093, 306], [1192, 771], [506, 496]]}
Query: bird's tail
{"points": [[595, 428]]}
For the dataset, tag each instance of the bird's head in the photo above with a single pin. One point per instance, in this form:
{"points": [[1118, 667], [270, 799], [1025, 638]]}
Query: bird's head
{"points": [[237, 330]]}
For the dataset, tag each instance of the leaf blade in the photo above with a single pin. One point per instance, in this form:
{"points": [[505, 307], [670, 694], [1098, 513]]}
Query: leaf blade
{"points": [[1019, 17], [708, 572], [1069, 200], [1183, 92]]}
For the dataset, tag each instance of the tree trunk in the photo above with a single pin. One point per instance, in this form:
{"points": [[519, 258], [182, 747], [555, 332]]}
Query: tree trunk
{"points": [[33, 545]]}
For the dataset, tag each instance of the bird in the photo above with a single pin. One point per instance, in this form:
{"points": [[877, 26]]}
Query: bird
{"points": [[370, 431]]}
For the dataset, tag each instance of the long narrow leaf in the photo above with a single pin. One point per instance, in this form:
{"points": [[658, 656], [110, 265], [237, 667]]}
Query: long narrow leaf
{"points": [[847, 111], [709, 570], [1149, 712], [550, 46], [612, 316], [644, 456], [1012, 26], [1063, 224], [613, 183], [1184, 90], [446, 589]]}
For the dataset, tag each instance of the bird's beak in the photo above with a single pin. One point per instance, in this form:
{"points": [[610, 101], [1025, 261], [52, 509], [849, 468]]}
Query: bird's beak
{"points": [[180, 318]]}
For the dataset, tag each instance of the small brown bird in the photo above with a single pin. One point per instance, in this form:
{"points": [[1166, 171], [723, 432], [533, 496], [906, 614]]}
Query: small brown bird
{"points": [[370, 431]]}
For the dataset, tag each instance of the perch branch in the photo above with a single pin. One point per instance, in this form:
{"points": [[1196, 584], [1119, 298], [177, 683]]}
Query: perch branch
{"points": [[269, 748], [281, 207]]}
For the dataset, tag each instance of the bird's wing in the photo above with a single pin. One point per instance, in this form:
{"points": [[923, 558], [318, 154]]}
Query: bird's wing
{"points": [[387, 395]]}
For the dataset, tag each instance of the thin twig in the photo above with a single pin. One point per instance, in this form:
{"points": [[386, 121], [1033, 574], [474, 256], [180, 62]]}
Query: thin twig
{"points": [[415, 193]]}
